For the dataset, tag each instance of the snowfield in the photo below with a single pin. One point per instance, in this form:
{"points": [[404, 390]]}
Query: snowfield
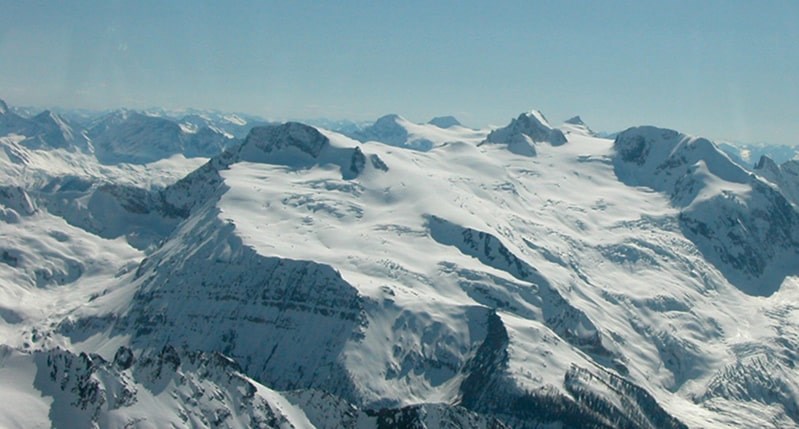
{"points": [[530, 276]]}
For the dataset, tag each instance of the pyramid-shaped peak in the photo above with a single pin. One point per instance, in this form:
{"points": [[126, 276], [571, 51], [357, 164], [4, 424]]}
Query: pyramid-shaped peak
{"points": [[47, 116], [766, 163], [387, 124], [577, 125], [575, 120], [532, 126], [445, 122], [535, 117]]}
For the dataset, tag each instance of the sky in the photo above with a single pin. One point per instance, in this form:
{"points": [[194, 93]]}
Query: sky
{"points": [[721, 69]]}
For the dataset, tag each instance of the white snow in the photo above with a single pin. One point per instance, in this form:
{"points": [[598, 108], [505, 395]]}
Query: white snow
{"points": [[611, 251], [234, 119], [429, 246]]}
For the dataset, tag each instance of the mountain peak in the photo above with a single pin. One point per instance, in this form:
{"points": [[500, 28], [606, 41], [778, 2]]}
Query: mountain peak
{"points": [[528, 128], [537, 116], [275, 138], [766, 163], [47, 116], [660, 158], [578, 126], [388, 119], [445, 122], [3, 107], [575, 120]]}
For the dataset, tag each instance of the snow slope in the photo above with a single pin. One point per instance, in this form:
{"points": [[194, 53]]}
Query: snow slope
{"points": [[395, 130], [645, 282]]}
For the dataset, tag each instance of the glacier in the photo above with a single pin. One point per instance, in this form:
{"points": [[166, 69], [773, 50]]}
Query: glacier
{"points": [[402, 275]]}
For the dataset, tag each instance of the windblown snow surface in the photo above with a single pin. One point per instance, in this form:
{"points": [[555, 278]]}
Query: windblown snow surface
{"points": [[306, 279]]}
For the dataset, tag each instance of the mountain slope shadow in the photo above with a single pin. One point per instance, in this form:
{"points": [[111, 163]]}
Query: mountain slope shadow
{"points": [[738, 222], [285, 321]]}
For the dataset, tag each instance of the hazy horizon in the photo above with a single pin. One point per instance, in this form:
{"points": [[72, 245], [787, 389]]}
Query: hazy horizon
{"points": [[724, 70]]}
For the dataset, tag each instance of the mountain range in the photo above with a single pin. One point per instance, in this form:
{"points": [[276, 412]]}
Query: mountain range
{"points": [[162, 272]]}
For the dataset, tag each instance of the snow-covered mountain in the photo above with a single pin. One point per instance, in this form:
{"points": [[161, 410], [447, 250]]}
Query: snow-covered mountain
{"points": [[128, 136], [395, 130], [236, 125], [132, 137], [575, 124], [739, 222], [45, 130], [528, 277], [750, 154], [522, 134], [785, 176]]}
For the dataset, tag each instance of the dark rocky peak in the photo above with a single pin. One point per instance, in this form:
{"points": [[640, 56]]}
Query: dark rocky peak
{"points": [[289, 135], [766, 164], [387, 120], [532, 127], [575, 120], [10, 122], [445, 122]]}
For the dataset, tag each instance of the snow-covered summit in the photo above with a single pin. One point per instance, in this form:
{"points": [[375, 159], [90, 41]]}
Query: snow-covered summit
{"points": [[395, 130], [576, 125], [524, 132], [236, 125], [53, 131], [662, 158], [47, 130], [745, 227], [392, 129]]}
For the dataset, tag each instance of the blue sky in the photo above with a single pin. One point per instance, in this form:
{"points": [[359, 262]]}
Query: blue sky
{"points": [[722, 69]]}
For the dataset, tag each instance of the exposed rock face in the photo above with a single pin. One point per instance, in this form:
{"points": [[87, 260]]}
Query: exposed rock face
{"points": [[523, 132], [257, 307], [785, 176], [275, 138], [17, 199], [169, 387], [371, 286]]}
